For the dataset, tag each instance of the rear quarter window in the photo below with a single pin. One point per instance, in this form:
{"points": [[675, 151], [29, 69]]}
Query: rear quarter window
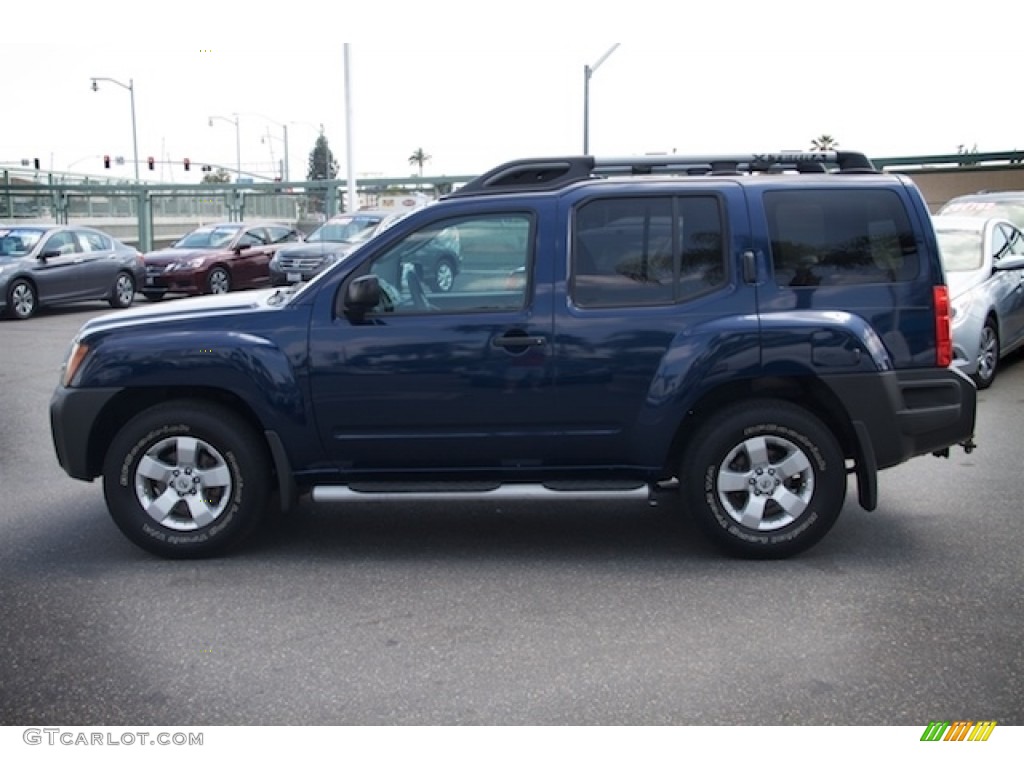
{"points": [[840, 237], [647, 251]]}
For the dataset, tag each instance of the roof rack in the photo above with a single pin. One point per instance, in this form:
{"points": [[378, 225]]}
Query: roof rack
{"points": [[550, 173]]}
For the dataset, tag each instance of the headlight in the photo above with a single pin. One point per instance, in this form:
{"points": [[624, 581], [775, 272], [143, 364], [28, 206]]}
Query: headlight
{"points": [[960, 308], [76, 356]]}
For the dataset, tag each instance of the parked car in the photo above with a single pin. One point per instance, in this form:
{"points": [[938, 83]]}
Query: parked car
{"points": [[984, 264], [330, 242], [987, 205], [44, 265], [758, 340], [437, 259], [216, 259]]}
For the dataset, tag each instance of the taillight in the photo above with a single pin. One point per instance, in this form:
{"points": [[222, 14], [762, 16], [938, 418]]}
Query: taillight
{"points": [[943, 329]]}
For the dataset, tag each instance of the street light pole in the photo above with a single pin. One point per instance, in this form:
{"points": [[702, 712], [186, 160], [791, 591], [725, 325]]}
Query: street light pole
{"points": [[238, 142], [588, 72], [131, 90], [284, 139]]}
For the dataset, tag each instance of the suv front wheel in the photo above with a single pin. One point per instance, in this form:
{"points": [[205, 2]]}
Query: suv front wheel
{"points": [[186, 479], [764, 479]]}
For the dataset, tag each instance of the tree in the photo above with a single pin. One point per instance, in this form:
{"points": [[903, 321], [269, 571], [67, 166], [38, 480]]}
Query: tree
{"points": [[220, 176], [419, 158], [322, 164], [824, 143], [962, 149]]}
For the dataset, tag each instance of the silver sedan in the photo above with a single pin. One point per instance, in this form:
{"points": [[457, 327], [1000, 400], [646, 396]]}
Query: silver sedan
{"points": [[984, 263]]}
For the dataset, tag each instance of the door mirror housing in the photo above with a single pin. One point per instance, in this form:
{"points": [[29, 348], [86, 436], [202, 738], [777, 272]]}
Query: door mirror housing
{"points": [[362, 295]]}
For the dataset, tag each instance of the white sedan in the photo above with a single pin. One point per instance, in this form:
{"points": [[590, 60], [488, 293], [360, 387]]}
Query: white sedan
{"points": [[984, 263]]}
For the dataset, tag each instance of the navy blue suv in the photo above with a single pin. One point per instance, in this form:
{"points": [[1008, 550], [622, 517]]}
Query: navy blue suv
{"points": [[750, 330]]}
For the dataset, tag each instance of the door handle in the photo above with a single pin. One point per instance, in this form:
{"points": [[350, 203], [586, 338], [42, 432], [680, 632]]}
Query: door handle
{"points": [[516, 341]]}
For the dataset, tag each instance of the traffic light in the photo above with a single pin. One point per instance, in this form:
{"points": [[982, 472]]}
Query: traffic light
{"points": [[207, 168], [106, 161], [35, 162], [187, 164], [152, 163]]}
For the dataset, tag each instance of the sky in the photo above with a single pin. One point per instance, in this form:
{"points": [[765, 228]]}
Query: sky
{"points": [[476, 84]]}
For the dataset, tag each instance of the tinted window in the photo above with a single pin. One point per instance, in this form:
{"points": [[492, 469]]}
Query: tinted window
{"points": [[94, 241], [840, 237], [216, 237], [63, 242], [252, 237], [490, 255], [282, 234], [1016, 240], [646, 251], [1000, 243]]}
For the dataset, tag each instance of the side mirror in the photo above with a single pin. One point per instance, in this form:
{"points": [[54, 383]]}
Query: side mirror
{"points": [[363, 294], [1010, 262], [243, 247], [48, 255]]}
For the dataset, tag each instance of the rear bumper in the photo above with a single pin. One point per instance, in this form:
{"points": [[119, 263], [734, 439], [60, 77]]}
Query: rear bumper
{"points": [[902, 414]]}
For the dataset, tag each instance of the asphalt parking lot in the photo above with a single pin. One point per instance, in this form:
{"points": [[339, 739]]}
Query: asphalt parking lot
{"points": [[574, 614]]}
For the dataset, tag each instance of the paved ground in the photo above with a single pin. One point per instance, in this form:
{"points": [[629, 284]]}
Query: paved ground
{"points": [[469, 614]]}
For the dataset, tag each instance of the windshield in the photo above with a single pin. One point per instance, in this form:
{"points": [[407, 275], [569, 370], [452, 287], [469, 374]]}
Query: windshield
{"points": [[18, 242], [211, 237], [987, 209], [350, 229], [961, 249]]}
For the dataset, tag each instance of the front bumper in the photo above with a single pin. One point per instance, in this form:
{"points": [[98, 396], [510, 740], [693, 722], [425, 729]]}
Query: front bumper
{"points": [[173, 282], [290, 276], [73, 416]]}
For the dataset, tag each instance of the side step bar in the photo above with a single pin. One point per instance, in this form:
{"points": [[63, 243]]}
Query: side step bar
{"points": [[518, 491]]}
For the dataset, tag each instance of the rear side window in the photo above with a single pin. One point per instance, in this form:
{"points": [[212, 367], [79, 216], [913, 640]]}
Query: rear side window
{"points": [[646, 251], [93, 241], [840, 237]]}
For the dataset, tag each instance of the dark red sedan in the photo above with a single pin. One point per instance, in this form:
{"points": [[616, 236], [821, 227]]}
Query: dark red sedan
{"points": [[217, 258]]}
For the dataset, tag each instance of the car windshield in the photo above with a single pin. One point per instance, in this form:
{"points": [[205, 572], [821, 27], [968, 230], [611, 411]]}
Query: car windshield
{"points": [[208, 237], [18, 242], [987, 209], [350, 229], [961, 249]]}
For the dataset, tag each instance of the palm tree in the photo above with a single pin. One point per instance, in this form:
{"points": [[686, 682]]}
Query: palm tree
{"points": [[419, 158], [824, 143]]}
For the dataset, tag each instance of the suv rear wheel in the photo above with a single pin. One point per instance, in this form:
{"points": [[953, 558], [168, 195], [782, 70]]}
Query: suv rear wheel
{"points": [[186, 479], [764, 479]]}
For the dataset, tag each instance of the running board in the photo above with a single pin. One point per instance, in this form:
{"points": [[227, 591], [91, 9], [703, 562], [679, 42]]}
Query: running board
{"points": [[514, 491]]}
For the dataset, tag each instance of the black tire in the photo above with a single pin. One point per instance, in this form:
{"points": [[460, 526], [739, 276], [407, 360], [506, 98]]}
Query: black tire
{"points": [[795, 479], [988, 355], [218, 281], [122, 293], [201, 471], [444, 274], [154, 295], [22, 299]]}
